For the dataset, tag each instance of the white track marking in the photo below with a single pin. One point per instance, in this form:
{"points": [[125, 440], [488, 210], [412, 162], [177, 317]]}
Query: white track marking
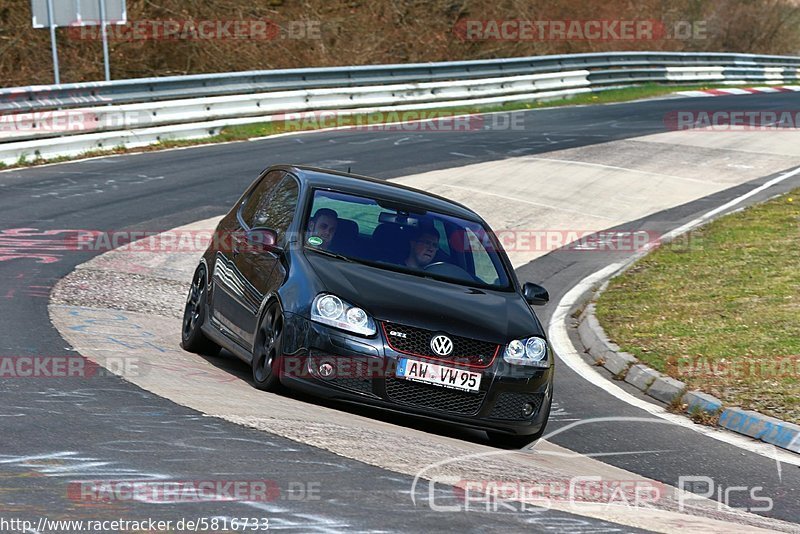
{"points": [[624, 169], [738, 200], [559, 338], [514, 199]]}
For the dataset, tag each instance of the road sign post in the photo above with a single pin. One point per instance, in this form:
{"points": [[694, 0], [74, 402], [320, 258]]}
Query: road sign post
{"points": [[106, 64], [64, 13], [53, 48]]}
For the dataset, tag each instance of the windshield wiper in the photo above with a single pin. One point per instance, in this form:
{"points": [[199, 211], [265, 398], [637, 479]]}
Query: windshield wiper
{"points": [[331, 254]]}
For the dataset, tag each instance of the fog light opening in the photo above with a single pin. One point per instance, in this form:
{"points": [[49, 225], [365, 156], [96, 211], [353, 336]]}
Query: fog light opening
{"points": [[325, 370], [528, 409]]}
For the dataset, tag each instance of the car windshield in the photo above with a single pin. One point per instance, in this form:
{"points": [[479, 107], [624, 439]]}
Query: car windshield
{"points": [[390, 235]]}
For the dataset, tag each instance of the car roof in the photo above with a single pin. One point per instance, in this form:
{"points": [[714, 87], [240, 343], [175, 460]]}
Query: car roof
{"points": [[364, 185]]}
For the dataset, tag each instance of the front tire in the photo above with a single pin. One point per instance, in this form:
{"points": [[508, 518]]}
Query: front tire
{"points": [[194, 315], [267, 350]]}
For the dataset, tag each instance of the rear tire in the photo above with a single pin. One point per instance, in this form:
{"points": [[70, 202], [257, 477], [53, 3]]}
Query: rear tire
{"points": [[194, 315], [267, 349]]}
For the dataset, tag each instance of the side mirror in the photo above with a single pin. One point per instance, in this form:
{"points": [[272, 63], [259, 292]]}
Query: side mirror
{"points": [[262, 240], [535, 294]]}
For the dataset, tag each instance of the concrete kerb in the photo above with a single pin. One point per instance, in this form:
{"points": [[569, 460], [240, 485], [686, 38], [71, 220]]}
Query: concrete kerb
{"points": [[672, 392]]}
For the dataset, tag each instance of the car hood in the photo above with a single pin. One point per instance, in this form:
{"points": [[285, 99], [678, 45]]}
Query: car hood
{"points": [[496, 316]]}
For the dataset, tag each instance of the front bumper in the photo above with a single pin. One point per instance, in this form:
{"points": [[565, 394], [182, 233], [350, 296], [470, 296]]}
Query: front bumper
{"points": [[330, 363]]}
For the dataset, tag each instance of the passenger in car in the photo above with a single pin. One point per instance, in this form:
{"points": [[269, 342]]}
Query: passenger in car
{"points": [[424, 246], [323, 226]]}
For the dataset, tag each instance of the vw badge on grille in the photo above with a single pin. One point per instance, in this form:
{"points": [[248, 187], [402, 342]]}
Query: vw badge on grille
{"points": [[442, 345]]}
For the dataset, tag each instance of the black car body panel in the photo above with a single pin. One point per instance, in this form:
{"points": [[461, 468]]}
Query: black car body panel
{"points": [[480, 320], [391, 296]]}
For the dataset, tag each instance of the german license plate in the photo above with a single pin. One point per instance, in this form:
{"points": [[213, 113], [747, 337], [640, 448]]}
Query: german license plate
{"points": [[438, 375]]}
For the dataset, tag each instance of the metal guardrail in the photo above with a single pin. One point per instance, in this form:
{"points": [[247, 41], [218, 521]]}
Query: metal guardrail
{"points": [[173, 87], [141, 111], [159, 113]]}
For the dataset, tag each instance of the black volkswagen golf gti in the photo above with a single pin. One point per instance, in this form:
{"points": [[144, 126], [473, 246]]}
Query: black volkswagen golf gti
{"points": [[370, 292]]}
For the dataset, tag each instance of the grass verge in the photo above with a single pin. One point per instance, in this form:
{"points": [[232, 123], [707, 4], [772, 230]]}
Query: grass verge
{"points": [[722, 314], [249, 131]]}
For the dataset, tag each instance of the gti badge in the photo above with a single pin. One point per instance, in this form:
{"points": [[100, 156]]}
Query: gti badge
{"points": [[442, 345]]}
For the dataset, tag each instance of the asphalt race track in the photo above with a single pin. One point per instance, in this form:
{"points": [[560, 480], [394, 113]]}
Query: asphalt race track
{"points": [[62, 429]]}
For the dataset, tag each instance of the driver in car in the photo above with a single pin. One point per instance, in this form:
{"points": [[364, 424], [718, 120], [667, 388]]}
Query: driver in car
{"points": [[322, 228], [424, 246]]}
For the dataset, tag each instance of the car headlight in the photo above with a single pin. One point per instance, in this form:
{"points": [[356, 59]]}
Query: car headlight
{"points": [[331, 310], [530, 351]]}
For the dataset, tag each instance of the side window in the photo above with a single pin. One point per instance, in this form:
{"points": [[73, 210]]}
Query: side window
{"points": [[484, 267], [443, 241], [276, 210], [259, 195]]}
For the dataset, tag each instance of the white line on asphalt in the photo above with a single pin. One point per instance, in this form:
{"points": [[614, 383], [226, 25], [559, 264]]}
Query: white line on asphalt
{"points": [[738, 200], [559, 338], [514, 199], [624, 169], [667, 522]]}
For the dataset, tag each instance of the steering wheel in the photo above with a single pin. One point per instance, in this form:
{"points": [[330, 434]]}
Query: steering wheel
{"points": [[452, 271], [448, 269]]}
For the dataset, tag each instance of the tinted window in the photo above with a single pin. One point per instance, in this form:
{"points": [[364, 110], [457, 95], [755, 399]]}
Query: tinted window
{"points": [[259, 195], [277, 211], [484, 264], [404, 238]]}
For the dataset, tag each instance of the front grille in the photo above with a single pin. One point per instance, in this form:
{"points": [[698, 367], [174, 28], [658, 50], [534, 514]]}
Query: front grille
{"points": [[417, 341], [509, 405], [433, 397]]}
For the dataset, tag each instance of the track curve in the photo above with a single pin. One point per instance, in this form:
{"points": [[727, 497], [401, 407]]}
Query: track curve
{"points": [[131, 192]]}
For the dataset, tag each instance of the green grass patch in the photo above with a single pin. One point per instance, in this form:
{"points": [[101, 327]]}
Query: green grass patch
{"points": [[264, 129], [720, 309]]}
